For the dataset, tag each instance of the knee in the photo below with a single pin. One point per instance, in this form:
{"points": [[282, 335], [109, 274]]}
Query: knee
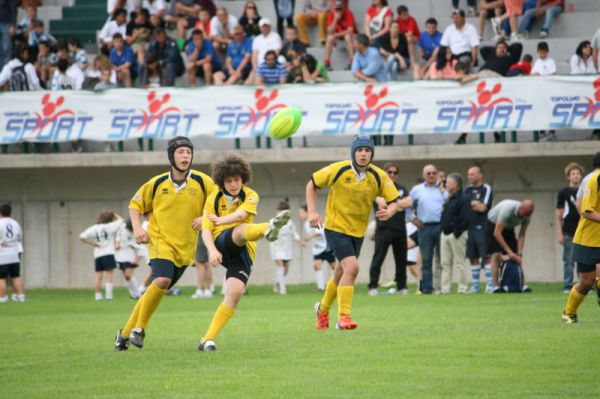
{"points": [[234, 294], [351, 268], [162, 282]]}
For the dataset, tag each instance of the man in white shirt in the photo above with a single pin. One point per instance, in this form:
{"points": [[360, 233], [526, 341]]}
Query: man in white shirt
{"points": [[67, 78], [10, 248], [20, 74], [267, 40], [221, 29], [462, 38], [544, 65], [117, 25]]}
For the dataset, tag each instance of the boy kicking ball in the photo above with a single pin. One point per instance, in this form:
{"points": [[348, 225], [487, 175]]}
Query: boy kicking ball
{"points": [[230, 236]]}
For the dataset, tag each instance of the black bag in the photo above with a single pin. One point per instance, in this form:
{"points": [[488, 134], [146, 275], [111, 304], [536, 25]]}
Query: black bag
{"points": [[18, 79], [511, 279]]}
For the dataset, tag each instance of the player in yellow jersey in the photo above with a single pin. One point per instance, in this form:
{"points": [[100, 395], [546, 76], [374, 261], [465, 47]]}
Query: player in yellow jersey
{"points": [[586, 245], [353, 186], [176, 200], [230, 236]]}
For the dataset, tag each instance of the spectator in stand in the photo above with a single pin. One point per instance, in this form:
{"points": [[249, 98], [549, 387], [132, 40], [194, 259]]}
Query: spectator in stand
{"points": [[139, 34], [596, 48], [368, 64], [522, 68], [123, 61], [184, 14], [526, 23], [62, 51], [250, 18], [408, 26], [394, 49], [314, 13], [489, 9], [313, 71], [43, 63], [118, 24], [25, 26], [544, 65], [202, 61], [514, 8], [270, 71], [94, 72], [377, 21], [165, 50], [202, 23], [37, 35], [548, 9], [18, 74], [128, 5], [105, 80], [151, 76], [157, 10], [429, 41], [266, 41], [8, 22], [500, 58], [292, 46], [462, 38], [221, 29], [472, 4], [581, 61], [77, 54], [443, 67], [66, 78], [285, 11], [238, 60], [341, 25], [294, 69]]}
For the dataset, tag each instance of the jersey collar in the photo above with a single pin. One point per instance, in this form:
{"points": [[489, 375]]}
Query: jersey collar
{"points": [[359, 175], [182, 186]]}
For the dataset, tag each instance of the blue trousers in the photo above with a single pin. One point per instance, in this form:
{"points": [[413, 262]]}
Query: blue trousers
{"points": [[429, 241]]}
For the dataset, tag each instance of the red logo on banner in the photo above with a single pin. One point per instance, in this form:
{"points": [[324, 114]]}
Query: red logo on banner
{"points": [[590, 109], [371, 106], [155, 108], [50, 111], [484, 100], [262, 106]]}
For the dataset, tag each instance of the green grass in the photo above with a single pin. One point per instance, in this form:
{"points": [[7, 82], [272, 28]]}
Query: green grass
{"points": [[59, 345]]}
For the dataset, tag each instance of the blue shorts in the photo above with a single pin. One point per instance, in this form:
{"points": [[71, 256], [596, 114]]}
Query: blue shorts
{"points": [[127, 265], [105, 263], [236, 259], [166, 268], [586, 258], [12, 270], [326, 255], [343, 245]]}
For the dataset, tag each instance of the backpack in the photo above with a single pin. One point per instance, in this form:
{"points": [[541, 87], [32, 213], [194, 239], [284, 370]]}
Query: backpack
{"points": [[511, 279], [284, 8], [18, 79]]}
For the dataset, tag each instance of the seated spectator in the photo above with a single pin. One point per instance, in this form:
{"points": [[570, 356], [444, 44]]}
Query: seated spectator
{"points": [[170, 62], [340, 26], [595, 48], [408, 26], [266, 41], [501, 57], [128, 5], [270, 71], [443, 67], [183, 14], [462, 38], [394, 49], [514, 8], [202, 61], [294, 69], [43, 63], [123, 61], [368, 64], [25, 25], [105, 81], [581, 61], [139, 34], [238, 59], [313, 13], [292, 46], [313, 71], [18, 74], [151, 76], [429, 40], [62, 51], [221, 29], [65, 77], [377, 21], [544, 65], [548, 9], [522, 68], [94, 72], [472, 4], [526, 23], [157, 10], [250, 18], [489, 9], [462, 75], [203, 22], [37, 35], [118, 24], [77, 54]]}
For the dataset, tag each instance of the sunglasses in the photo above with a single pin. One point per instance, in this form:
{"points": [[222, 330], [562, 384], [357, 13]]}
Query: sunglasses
{"points": [[392, 172], [431, 173]]}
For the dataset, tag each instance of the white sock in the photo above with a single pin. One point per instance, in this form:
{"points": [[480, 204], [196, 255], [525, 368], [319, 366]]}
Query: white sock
{"points": [[21, 297], [108, 288], [281, 279], [98, 296], [212, 288], [488, 275], [4, 299], [132, 285], [208, 293], [141, 289], [320, 279]]}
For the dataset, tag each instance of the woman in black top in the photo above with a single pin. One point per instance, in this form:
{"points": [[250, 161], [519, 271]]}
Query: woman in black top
{"points": [[394, 49], [249, 19]]}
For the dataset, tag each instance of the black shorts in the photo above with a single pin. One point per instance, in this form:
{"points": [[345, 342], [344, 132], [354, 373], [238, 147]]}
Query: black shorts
{"points": [[200, 70], [201, 252], [12, 270], [586, 258], [326, 255], [166, 268], [493, 246], [105, 263], [236, 259], [127, 265], [476, 247], [343, 245]]}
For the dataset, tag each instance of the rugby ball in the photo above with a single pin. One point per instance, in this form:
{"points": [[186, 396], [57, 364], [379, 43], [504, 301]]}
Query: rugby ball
{"points": [[285, 123]]}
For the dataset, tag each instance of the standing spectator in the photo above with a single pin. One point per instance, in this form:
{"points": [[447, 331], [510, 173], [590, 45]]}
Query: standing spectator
{"points": [[8, 22], [501, 237], [238, 59], [19, 73], [341, 25], [443, 67], [377, 21], [408, 26], [472, 4], [368, 64], [314, 71], [481, 198], [157, 10], [128, 5], [165, 50], [567, 218], [285, 11], [126, 257], [489, 9], [282, 250], [394, 49], [67, 78], [462, 38], [270, 71], [522, 68], [544, 65], [548, 9], [139, 34], [314, 13], [202, 61], [11, 238], [221, 29], [118, 24], [123, 61], [77, 54], [428, 201], [391, 232], [292, 46], [581, 61], [266, 41], [514, 8], [596, 48], [204, 285], [250, 18], [429, 41], [501, 58]]}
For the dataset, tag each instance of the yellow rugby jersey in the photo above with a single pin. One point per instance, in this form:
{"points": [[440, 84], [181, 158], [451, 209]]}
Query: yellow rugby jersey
{"points": [[350, 198], [588, 231], [173, 209], [220, 204]]}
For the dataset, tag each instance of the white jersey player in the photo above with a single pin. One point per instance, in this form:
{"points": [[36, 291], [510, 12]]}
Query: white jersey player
{"points": [[11, 237], [126, 256], [282, 250]]}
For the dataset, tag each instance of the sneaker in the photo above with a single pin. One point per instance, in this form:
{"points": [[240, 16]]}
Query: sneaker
{"points": [[372, 292], [389, 284], [174, 292], [283, 291], [207, 346], [498, 290], [121, 342], [515, 37], [329, 68], [198, 294], [489, 290], [208, 293], [543, 34], [392, 291], [98, 296], [4, 299], [346, 323], [14, 298], [137, 337], [471, 12], [21, 297], [496, 25], [569, 318], [525, 288], [566, 291], [403, 291], [473, 290], [322, 317], [462, 289], [276, 224]]}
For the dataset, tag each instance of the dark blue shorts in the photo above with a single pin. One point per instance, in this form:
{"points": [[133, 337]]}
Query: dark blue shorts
{"points": [[12, 270], [326, 255], [343, 245], [476, 243], [586, 258], [127, 265], [236, 259], [166, 268], [105, 263]]}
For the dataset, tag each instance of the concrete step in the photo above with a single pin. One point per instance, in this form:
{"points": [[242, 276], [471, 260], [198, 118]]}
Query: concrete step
{"points": [[85, 36], [62, 3], [341, 76], [91, 11], [77, 24], [45, 13]]}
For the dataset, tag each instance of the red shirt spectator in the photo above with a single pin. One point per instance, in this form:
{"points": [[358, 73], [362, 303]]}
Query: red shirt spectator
{"points": [[343, 23], [520, 68], [377, 21], [407, 23]]}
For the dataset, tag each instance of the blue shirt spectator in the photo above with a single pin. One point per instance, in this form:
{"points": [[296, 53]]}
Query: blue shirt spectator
{"points": [[271, 71], [206, 50], [118, 58], [238, 50], [429, 201], [430, 39], [369, 63]]}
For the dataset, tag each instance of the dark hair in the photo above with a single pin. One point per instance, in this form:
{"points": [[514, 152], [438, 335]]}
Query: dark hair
{"points": [[151, 59], [292, 27], [461, 66], [478, 167], [37, 22], [580, 47], [5, 210], [596, 161], [310, 62], [543, 46], [61, 44], [271, 52], [502, 42], [401, 9], [384, 3], [441, 61], [75, 42], [145, 13], [44, 43], [284, 205], [391, 165], [304, 207], [230, 166], [363, 39], [431, 21], [196, 32], [159, 30], [19, 50], [105, 217], [62, 65], [460, 12], [119, 11], [255, 9], [527, 58], [117, 36]]}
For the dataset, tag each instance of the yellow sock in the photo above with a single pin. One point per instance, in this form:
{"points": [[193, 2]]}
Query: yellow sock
{"points": [[597, 283], [133, 318], [151, 300], [255, 232], [221, 317], [345, 294], [331, 291], [575, 299]]}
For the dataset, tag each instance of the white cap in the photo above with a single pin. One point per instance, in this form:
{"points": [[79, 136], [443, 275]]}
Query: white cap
{"points": [[263, 22]]}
